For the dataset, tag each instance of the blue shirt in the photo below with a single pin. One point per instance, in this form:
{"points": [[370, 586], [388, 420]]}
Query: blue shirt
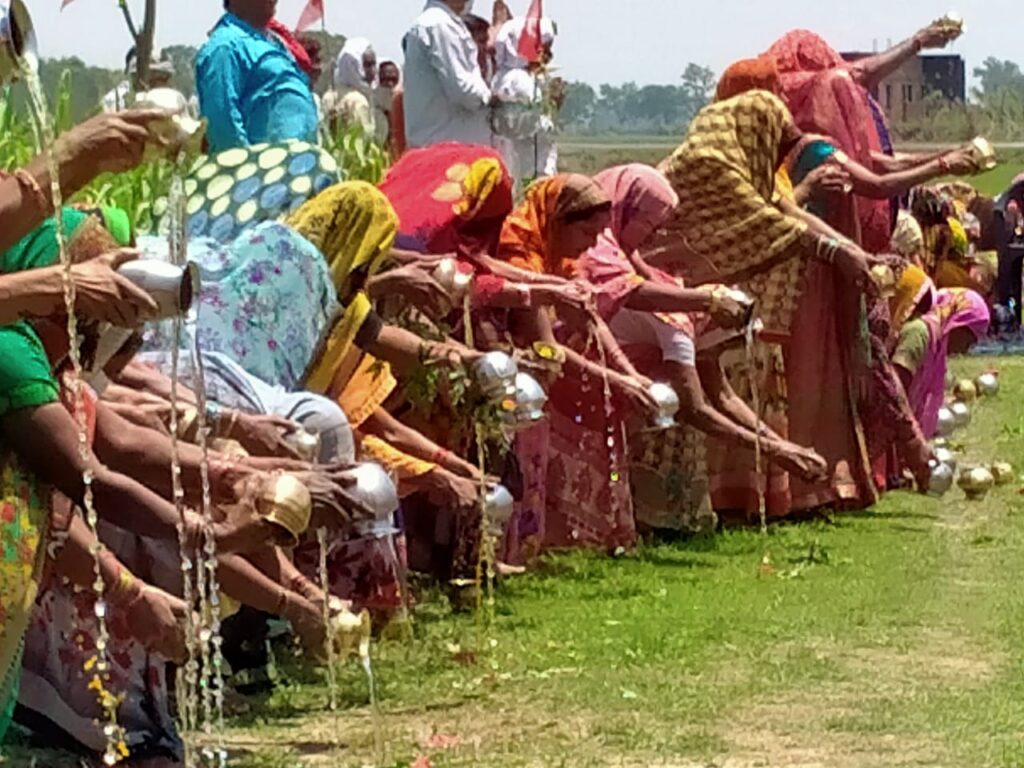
{"points": [[251, 90]]}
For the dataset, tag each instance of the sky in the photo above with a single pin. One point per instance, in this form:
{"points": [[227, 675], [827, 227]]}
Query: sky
{"points": [[600, 41]]}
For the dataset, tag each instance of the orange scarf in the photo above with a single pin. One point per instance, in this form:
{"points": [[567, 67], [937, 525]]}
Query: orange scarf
{"points": [[526, 239]]}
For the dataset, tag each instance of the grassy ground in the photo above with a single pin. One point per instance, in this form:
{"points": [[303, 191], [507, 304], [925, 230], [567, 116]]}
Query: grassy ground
{"points": [[890, 638]]}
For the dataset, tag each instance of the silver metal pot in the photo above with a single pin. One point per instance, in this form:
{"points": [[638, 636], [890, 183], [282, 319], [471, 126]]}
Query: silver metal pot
{"points": [[668, 405], [946, 424], [530, 401], [988, 385], [961, 415], [374, 490], [17, 40], [173, 288], [941, 481], [496, 374]]}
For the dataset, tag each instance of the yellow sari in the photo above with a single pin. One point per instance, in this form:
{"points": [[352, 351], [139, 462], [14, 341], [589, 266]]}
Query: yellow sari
{"points": [[354, 226]]}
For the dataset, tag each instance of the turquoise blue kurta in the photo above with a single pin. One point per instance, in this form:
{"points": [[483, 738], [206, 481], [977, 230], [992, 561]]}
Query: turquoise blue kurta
{"points": [[250, 88]]}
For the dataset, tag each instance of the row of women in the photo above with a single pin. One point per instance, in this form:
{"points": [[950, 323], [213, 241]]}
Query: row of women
{"points": [[319, 308]]}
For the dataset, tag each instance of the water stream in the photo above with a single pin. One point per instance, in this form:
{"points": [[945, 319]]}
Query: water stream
{"points": [[115, 749]]}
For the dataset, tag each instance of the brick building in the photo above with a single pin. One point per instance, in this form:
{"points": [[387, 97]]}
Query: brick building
{"points": [[903, 94]]}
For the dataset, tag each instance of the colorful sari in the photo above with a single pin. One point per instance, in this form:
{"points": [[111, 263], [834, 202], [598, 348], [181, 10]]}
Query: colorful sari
{"points": [[724, 174], [668, 470], [587, 499], [884, 424], [449, 198], [229, 192], [821, 91], [954, 308]]}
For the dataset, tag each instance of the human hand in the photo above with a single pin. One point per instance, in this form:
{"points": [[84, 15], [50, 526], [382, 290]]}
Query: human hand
{"points": [[262, 435], [566, 296], [417, 287], [157, 621], [802, 462], [107, 143], [448, 489], [961, 162], [637, 391], [103, 295], [938, 34], [727, 309], [334, 505]]}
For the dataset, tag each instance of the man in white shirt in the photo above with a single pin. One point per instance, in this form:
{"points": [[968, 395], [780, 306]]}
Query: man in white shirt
{"points": [[446, 97]]}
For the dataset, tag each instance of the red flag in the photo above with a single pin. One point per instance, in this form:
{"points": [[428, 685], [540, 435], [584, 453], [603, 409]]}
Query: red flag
{"points": [[313, 13], [530, 46], [65, 4]]}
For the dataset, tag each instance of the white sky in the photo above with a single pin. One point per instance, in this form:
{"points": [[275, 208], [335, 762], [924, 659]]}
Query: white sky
{"points": [[647, 41]]}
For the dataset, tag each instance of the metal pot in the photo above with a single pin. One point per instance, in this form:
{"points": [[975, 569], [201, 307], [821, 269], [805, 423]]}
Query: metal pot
{"points": [[306, 444], [374, 490], [453, 278], [1002, 472], [976, 483], [17, 40], [947, 457], [528, 407], [983, 154], [965, 391], [961, 415], [668, 405], [173, 288], [987, 384], [946, 424], [350, 633], [498, 507], [496, 375], [941, 480], [287, 504]]}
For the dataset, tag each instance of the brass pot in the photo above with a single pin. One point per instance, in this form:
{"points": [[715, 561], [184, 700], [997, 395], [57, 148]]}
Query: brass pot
{"points": [[976, 483], [350, 634], [965, 391], [287, 504], [1002, 472]]}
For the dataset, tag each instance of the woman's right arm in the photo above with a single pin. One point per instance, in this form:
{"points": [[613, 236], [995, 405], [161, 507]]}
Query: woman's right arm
{"points": [[873, 70], [109, 143]]}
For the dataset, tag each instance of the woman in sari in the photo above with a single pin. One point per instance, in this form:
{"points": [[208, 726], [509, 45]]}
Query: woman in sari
{"points": [[291, 304], [669, 471], [450, 199], [829, 96], [588, 500], [735, 232], [958, 321]]}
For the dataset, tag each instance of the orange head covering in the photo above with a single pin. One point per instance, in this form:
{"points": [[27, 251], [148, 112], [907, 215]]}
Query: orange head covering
{"points": [[526, 238], [760, 74]]}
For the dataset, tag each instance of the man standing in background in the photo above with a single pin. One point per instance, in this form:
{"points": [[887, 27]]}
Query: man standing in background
{"points": [[446, 97], [250, 87]]}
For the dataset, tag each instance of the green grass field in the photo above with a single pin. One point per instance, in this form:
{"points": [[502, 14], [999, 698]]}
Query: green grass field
{"points": [[889, 638]]}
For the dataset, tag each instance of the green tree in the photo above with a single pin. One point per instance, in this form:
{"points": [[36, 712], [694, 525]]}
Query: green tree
{"points": [[580, 102], [698, 87]]}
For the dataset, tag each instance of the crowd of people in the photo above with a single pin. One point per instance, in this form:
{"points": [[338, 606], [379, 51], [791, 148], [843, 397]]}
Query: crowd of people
{"points": [[784, 271]]}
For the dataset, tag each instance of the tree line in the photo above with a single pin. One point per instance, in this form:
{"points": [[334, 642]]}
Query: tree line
{"points": [[995, 107]]}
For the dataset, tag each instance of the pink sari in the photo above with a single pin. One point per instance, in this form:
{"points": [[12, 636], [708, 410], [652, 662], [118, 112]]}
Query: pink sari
{"points": [[668, 470], [954, 308], [821, 91]]}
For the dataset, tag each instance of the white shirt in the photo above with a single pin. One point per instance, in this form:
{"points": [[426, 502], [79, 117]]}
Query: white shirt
{"points": [[118, 98], [446, 98]]}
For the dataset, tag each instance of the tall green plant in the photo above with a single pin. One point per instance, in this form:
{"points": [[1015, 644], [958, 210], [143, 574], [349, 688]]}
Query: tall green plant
{"points": [[359, 155]]}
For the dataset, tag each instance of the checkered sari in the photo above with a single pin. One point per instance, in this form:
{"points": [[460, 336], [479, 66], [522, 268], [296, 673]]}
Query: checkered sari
{"points": [[724, 174]]}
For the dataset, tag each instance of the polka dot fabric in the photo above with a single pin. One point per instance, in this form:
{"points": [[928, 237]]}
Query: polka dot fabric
{"points": [[238, 188]]}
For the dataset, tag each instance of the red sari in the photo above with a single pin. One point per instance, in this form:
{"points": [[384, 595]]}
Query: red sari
{"points": [[450, 198], [821, 91]]}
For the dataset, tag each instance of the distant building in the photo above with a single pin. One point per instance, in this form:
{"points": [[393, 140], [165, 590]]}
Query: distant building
{"points": [[903, 94]]}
